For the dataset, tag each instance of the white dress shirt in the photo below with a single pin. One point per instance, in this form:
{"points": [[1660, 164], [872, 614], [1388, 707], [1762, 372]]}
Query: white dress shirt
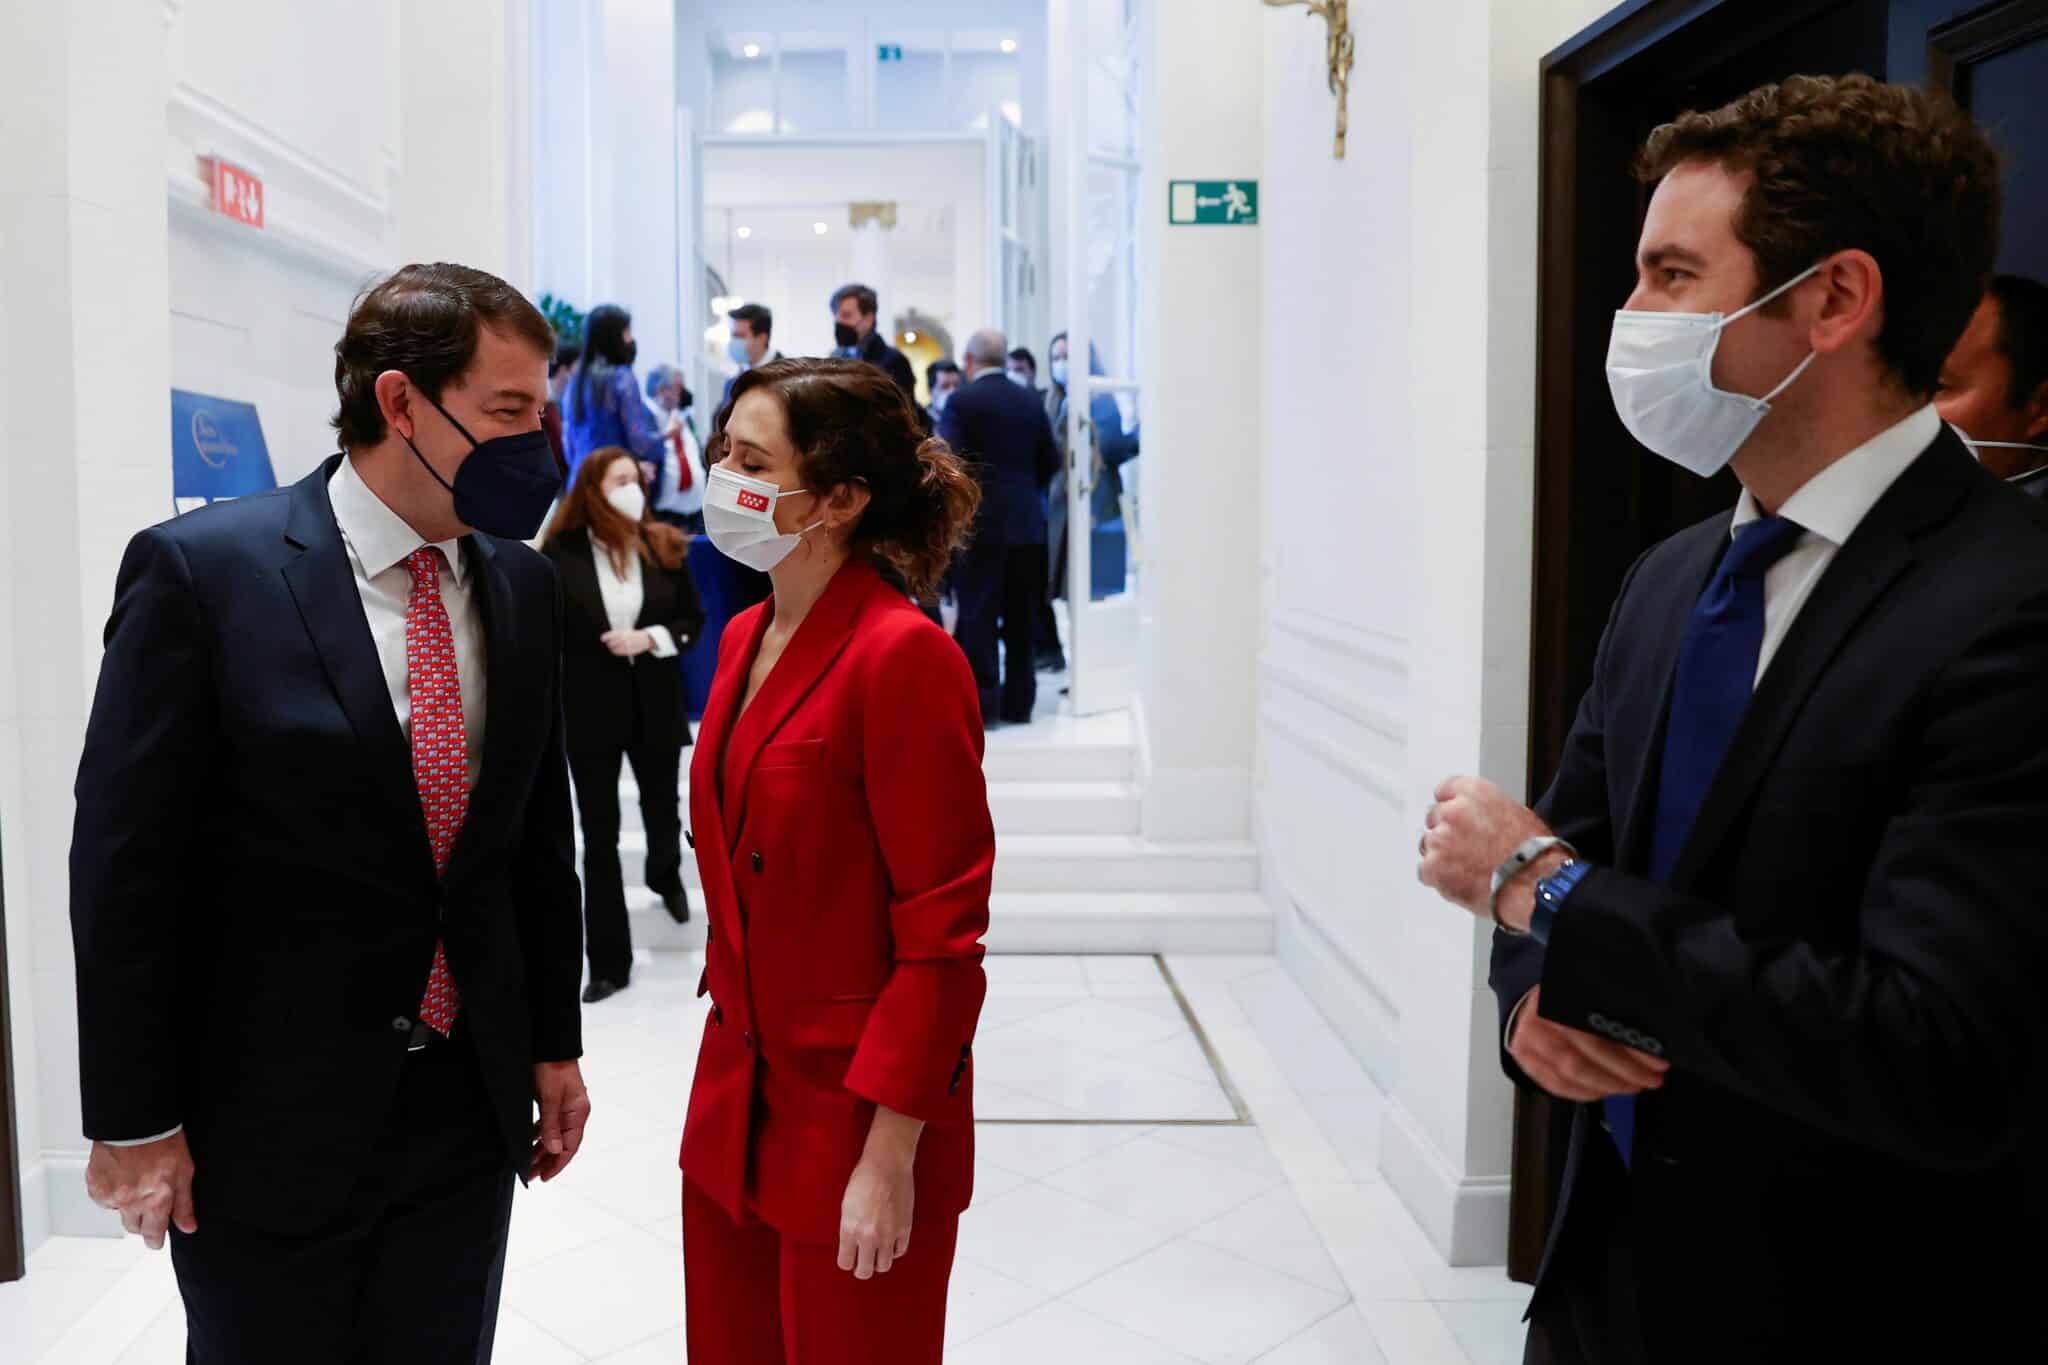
{"points": [[624, 595], [1830, 506], [378, 542]]}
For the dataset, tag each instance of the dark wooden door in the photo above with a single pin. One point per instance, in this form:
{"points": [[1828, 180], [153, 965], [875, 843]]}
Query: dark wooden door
{"points": [[1601, 499]]}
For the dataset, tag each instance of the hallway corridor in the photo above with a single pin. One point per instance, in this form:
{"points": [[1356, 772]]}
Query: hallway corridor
{"points": [[1149, 1225]]}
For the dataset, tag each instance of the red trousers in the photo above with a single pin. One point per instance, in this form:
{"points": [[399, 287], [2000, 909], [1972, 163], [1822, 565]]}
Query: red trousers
{"points": [[756, 1298]]}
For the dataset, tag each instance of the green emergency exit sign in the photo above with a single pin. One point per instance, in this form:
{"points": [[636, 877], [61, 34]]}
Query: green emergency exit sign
{"points": [[1231, 203]]}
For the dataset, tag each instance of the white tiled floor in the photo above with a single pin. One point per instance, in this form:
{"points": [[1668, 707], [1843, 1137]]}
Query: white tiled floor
{"points": [[1150, 1239]]}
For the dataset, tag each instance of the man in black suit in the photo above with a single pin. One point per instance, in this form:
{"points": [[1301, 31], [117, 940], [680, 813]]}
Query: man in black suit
{"points": [[1789, 964], [323, 894], [1994, 385], [1001, 430], [854, 310]]}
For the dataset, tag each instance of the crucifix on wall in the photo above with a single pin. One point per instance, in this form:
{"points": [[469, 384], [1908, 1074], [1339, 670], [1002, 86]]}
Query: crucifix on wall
{"points": [[1337, 15]]}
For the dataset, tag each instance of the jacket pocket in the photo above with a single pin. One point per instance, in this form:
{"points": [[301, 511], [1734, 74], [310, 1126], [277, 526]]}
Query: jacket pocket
{"points": [[837, 1022], [794, 753]]}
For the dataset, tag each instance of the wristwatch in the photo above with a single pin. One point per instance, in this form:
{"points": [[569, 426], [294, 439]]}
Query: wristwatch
{"points": [[1511, 867], [1550, 896]]}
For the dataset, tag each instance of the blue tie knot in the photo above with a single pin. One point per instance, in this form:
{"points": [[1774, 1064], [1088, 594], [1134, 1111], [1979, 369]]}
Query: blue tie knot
{"points": [[1759, 545]]}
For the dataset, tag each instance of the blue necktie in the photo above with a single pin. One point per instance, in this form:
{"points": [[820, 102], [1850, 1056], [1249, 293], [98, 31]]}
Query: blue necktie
{"points": [[1716, 674]]}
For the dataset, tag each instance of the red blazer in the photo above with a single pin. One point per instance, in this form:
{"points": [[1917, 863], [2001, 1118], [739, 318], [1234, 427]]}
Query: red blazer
{"points": [[847, 867]]}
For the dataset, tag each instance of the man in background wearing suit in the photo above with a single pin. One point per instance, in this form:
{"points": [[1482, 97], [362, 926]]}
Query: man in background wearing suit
{"points": [[1789, 964], [323, 894], [854, 314], [1994, 385], [1001, 429]]}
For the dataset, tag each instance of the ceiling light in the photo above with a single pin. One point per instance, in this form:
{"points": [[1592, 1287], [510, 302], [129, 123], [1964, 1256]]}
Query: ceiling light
{"points": [[1009, 44], [910, 338], [751, 51], [745, 233], [820, 228]]}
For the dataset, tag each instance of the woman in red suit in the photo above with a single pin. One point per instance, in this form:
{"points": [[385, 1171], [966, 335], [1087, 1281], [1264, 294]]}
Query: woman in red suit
{"points": [[841, 824]]}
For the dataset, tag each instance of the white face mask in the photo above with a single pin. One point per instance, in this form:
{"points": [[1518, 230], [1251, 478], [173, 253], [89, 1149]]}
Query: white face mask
{"points": [[1975, 446], [630, 499], [1660, 369], [739, 516]]}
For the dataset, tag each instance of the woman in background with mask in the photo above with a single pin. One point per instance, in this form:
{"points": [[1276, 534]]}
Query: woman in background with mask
{"points": [[629, 608], [601, 405], [842, 828]]}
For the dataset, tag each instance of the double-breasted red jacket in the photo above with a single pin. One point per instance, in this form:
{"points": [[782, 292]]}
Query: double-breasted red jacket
{"points": [[843, 831]]}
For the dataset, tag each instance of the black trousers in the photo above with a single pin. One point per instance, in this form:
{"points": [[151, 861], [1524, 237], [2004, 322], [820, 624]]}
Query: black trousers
{"points": [[1001, 590], [1587, 1312], [410, 1272], [595, 769]]}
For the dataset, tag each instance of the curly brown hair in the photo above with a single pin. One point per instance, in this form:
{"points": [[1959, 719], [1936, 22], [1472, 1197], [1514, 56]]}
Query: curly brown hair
{"points": [[584, 506], [851, 424], [1851, 163]]}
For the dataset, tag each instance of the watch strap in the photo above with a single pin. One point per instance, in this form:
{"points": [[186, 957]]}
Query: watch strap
{"points": [[1511, 867]]}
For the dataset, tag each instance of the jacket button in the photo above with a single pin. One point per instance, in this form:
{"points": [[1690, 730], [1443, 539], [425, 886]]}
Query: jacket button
{"points": [[717, 1016], [757, 862], [401, 1025], [748, 1040]]}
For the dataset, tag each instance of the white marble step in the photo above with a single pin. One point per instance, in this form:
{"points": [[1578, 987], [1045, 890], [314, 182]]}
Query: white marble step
{"points": [[1125, 922], [1089, 864], [1020, 808]]}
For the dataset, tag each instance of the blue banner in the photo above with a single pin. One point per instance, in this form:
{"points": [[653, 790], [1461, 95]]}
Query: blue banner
{"points": [[217, 448]]}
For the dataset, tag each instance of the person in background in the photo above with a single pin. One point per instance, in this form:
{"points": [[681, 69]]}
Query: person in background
{"points": [[601, 403], [1003, 433], [678, 494], [1788, 967], [323, 876], [748, 347], [560, 367], [1111, 448], [847, 850], [629, 609], [942, 379], [1994, 385], [854, 308], [1023, 368]]}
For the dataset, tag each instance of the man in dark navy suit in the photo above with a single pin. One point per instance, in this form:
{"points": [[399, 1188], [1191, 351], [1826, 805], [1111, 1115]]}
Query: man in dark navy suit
{"points": [[1001, 430], [1777, 929], [324, 902]]}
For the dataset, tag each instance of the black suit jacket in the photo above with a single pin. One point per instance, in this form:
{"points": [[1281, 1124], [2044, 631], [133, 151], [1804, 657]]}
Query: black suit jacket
{"points": [[1001, 430], [612, 702], [1846, 968], [890, 361], [253, 899]]}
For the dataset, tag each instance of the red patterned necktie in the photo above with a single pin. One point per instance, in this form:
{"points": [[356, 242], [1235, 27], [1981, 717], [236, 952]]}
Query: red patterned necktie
{"points": [[440, 749]]}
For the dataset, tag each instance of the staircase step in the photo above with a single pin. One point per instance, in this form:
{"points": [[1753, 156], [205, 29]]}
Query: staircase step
{"points": [[1155, 922], [1020, 808], [1067, 863]]}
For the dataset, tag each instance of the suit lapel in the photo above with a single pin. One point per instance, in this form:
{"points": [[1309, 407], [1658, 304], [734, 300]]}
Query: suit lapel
{"points": [[1879, 551], [818, 642], [1632, 840], [501, 655], [323, 587], [579, 577]]}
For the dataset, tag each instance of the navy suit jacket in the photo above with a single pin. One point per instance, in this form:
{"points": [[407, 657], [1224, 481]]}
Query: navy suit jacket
{"points": [[1845, 966], [253, 898], [1000, 428]]}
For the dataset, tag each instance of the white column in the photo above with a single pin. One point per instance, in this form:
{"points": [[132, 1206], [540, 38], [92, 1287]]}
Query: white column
{"points": [[1199, 311], [871, 268], [84, 462], [638, 215], [462, 105]]}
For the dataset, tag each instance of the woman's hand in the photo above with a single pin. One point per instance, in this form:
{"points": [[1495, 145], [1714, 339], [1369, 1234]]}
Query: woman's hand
{"points": [[627, 643], [881, 1198]]}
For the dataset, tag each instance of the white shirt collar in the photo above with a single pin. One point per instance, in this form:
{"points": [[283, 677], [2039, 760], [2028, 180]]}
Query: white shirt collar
{"points": [[1834, 502], [377, 536]]}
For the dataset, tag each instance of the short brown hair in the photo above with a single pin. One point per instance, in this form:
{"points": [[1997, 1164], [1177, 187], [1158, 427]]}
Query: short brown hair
{"points": [[851, 424], [1852, 163], [422, 321]]}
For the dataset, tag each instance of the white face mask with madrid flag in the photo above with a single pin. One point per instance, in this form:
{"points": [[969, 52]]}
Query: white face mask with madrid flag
{"points": [[739, 516]]}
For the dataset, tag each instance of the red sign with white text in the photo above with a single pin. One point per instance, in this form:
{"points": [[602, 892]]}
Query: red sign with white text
{"points": [[237, 194]]}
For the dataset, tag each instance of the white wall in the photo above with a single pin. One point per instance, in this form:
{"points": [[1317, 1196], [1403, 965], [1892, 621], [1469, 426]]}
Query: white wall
{"points": [[1399, 456], [376, 134]]}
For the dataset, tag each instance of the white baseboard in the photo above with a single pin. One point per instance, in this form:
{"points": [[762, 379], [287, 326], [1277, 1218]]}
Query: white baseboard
{"points": [[35, 1206], [1465, 1216], [70, 1211]]}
